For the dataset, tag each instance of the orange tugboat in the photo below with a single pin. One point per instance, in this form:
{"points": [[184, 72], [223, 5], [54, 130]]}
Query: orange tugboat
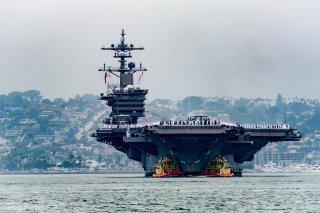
{"points": [[218, 167], [166, 167]]}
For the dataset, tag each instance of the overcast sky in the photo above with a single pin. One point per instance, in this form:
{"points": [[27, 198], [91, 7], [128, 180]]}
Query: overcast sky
{"points": [[205, 48]]}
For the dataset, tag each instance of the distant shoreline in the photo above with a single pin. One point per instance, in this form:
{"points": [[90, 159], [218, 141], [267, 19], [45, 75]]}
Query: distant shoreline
{"points": [[70, 172]]}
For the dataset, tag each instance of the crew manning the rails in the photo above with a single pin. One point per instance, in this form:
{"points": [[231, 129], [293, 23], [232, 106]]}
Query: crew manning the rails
{"points": [[203, 122], [208, 122]]}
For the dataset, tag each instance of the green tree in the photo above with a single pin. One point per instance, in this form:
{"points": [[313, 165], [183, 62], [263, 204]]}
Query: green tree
{"points": [[280, 101], [33, 95], [72, 159]]}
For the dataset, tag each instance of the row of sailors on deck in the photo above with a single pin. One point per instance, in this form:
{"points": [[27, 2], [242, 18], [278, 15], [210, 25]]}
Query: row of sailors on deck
{"points": [[265, 126], [190, 122], [214, 122]]}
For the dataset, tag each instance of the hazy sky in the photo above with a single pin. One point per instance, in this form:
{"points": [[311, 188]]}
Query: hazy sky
{"points": [[205, 48]]}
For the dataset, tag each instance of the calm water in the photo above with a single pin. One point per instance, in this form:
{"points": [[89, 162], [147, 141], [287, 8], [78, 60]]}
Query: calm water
{"points": [[134, 193]]}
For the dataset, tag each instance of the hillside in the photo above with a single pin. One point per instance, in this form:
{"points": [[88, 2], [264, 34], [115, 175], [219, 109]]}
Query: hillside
{"points": [[41, 134]]}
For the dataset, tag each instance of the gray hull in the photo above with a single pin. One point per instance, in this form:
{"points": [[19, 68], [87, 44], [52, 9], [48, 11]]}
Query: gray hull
{"points": [[193, 147]]}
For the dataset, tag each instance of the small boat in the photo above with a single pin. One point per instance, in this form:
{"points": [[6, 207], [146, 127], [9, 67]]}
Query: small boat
{"points": [[167, 168], [218, 167]]}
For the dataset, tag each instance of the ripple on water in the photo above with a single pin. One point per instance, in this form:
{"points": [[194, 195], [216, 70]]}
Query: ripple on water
{"points": [[131, 193]]}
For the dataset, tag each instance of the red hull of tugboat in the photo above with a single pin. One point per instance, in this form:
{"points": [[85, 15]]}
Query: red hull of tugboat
{"points": [[168, 174], [217, 174], [174, 174]]}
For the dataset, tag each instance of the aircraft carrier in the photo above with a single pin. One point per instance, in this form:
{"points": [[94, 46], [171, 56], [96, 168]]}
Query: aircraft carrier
{"points": [[196, 145]]}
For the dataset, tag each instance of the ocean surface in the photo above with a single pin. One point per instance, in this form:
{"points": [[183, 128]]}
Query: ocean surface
{"points": [[133, 193]]}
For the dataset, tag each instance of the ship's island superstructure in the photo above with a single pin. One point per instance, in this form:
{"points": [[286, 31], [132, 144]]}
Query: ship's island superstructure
{"points": [[197, 145]]}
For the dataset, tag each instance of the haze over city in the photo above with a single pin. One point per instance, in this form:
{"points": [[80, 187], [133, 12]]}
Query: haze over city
{"points": [[203, 48]]}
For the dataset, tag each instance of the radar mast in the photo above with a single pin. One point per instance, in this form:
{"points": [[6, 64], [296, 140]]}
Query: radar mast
{"points": [[125, 71]]}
